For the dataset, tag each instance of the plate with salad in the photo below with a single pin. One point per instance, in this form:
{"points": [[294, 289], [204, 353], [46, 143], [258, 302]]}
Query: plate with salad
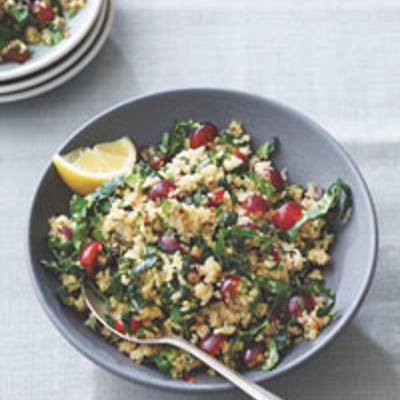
{"points": [[36, 33], [238, 224]]}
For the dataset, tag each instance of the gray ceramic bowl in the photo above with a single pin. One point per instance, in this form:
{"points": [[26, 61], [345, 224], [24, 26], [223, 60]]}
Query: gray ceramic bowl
{"points": [[307, 151]]}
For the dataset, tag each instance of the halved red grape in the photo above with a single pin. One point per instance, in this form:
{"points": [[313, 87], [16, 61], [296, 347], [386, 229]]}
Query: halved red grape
{"points": [[212, 344], [296, 304], [88, 257], [217, 197], [253, 355], [287, 215], [134, 325], [250, 226], [161, 189], [255, 204], [16, 55], [43, 13], [275, 178], [169, 244], [274, 252], [203, 134], [237, 153], [156, 162], [66, 233], [119, 327], [230, 286]]}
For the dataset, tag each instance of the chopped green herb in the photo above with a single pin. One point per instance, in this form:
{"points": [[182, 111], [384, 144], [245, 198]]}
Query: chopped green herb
{"points": [[165, 358], [267, 148], [263, 186], [20, 13], [272, 356], [132, 180]]}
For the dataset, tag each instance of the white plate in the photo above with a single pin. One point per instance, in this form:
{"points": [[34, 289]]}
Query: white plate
{"points": [[43, 56], [60, 66], [71, 72]]}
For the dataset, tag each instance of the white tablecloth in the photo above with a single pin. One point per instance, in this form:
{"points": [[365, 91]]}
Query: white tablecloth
{"points": [[337, 61]]}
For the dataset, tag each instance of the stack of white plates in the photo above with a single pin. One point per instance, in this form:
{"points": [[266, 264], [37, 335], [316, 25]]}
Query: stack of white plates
{"points": [[50, 67]]}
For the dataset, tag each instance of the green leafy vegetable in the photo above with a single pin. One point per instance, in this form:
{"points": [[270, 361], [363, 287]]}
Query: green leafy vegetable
{"points": [[337, 194], [93, 287], [57, 36], [71, 13], [226, 218], [79, 211], [116, 288], [263, 186], [280, 339], [322, 312], [165, 358], [126, 318], [278, 290], [107, 189], [144, 170], [205, 248], [145, 264], [175, 315], [235, 235], [227, 138], [5, 33], [91, 322], [197, 198], [132, 180], [229, 248], [267, 148], [273, 356], [19, 13], [317, 289], [186, 264], [173, 142], [164, 206], [78, 206], [255, 330]]}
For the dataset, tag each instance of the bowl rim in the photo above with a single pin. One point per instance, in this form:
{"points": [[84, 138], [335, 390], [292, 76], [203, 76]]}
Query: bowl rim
{"points": [[175, 385]]}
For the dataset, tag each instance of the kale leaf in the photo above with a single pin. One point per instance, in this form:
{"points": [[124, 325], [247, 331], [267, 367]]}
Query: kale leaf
{"points": [[173, 142], [165, 358], [267, 148], [263, 186], [337, 195], [19, 13], [273, 356], [79, 210]]}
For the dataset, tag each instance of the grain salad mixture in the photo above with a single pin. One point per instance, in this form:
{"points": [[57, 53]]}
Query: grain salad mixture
{"points": [[207, 240], [31, 22]]}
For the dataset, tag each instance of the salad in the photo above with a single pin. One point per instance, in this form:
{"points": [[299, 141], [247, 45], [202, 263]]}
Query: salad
{"points": [[206, 239], [31, 22]]}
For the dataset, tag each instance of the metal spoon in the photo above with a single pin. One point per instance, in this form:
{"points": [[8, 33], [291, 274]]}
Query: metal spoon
{"points": [[98, 308]]}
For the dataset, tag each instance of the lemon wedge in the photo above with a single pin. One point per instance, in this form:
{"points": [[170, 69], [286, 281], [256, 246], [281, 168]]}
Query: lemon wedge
{"points": [[85, 169]]}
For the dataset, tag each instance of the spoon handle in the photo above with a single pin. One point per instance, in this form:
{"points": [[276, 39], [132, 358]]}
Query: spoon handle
{"points": [[252, 389]]}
